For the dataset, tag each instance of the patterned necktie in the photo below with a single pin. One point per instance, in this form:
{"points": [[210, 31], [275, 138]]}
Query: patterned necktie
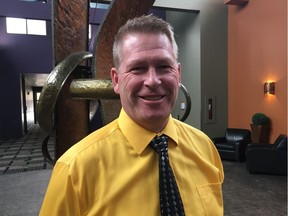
{"points": [[170, 199]]}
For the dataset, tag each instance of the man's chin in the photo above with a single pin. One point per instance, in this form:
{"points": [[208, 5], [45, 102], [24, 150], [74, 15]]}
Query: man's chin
{"points": [[156, 117]]}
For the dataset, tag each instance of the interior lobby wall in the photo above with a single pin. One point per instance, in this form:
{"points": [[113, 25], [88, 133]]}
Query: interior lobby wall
{"points": [[257, 54], [20, 54], [203, 53], [187, 36]]}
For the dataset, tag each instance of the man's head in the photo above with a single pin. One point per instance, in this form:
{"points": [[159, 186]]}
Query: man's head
{"points": [[143, 24], [146, 73]]}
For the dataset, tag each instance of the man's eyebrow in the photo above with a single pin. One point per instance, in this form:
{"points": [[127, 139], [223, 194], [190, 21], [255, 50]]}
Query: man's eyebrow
{"points": [[136, 62], [158, 59]]}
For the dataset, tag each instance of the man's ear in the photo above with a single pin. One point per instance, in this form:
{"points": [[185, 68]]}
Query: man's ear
{"points": [[114, 78]]}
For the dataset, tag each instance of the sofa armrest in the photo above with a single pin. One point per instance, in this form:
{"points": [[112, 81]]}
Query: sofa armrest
{"points": [[266, 155], [218, 140], [266, 160], [240, 148], [259, 145]]}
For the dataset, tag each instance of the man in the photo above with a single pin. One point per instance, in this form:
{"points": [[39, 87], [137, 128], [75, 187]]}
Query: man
{"points": [[114, 170]]}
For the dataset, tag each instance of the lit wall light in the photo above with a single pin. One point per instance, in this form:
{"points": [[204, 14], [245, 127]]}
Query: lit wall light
{"points": [[269, 88]]}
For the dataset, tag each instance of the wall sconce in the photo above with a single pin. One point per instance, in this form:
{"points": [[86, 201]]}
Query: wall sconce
{"points": [[269, 88]]}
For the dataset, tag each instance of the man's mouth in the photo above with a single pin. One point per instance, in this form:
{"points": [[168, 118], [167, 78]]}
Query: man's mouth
{"points": [[152, 98]]}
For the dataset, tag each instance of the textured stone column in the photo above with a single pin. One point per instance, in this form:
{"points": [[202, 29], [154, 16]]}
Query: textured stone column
{"points": [[70, 34]]}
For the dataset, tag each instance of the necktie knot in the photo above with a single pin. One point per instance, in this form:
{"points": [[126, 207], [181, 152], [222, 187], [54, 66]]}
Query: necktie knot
{"points": [[160, 143]]}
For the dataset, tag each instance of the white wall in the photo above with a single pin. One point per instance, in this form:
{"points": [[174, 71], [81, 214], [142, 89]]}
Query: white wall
{"points": [[188, 39]]}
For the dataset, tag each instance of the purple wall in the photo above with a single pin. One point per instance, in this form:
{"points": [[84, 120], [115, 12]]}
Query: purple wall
{"points": [[20, 54]]}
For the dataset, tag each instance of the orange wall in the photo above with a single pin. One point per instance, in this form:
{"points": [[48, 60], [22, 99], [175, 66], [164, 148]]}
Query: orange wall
{"points": [[257, 50]]}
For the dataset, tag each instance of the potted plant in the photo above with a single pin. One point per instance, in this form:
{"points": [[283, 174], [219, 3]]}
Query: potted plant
{"points": [[260, 128]]}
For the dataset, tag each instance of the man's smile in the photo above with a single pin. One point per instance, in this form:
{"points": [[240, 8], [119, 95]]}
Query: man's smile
{"points": [[152, 98]]}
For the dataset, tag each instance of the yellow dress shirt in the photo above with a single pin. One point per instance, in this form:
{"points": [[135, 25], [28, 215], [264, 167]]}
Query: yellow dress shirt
{"points": [[113, 172]]}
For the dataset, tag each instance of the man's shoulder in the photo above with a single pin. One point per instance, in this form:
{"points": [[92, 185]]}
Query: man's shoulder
{"points": [[93, 140], [102, 132], [188, 132], [187, 128]]}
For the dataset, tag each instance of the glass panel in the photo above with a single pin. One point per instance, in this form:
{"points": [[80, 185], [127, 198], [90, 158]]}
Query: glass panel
{"points": [[38, 96], [36, 27], [15, 25], [89, 31]]}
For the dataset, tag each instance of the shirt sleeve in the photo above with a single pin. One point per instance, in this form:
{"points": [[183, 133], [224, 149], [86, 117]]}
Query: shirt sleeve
{"points": [[218, 163], [60, 198]]}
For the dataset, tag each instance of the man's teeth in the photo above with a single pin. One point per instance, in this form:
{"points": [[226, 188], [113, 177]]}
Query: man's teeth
{"points": [[152, 98]]}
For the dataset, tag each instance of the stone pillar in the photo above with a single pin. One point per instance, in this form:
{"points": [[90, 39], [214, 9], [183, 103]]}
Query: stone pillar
{"points": [[70, 34]]}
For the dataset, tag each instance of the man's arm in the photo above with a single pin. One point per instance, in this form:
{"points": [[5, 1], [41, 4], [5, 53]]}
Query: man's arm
{"points": [[60, 198]]}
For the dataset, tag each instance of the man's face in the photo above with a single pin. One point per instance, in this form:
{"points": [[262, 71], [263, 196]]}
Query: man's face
{"points": [[147, 79]]}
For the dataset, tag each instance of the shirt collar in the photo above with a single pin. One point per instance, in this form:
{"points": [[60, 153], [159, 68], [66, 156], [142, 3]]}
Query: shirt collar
{"points": [[140, 137]]}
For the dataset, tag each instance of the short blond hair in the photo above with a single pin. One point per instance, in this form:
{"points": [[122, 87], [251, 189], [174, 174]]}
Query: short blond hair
{"points": [[143, 24]]}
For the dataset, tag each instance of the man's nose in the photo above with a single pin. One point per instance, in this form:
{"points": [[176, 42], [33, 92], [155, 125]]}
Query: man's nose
{"points": [[152, 80]]}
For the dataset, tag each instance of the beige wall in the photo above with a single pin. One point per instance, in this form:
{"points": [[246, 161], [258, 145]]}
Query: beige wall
{"points": [[257, 50]]}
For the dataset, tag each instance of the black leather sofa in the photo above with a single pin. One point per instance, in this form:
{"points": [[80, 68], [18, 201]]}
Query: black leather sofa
{"points": [[268, 158], [233, 145]]}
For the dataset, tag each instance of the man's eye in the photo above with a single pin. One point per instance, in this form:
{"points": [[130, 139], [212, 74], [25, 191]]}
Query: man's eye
{"points": [[138, 69], [163, 67]]}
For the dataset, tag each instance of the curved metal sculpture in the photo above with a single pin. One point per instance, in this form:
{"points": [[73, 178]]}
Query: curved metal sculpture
{"points": [[52, 88], [188, 103], [92, 89]]}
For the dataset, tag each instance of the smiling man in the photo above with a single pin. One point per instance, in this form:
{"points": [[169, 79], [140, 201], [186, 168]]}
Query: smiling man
{"points": [[115, 170], [147, 78]]}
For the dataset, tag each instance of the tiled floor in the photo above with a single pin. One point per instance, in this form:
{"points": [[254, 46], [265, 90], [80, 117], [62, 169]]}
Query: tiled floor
{"points": [[24, 154], [253, 194]]}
